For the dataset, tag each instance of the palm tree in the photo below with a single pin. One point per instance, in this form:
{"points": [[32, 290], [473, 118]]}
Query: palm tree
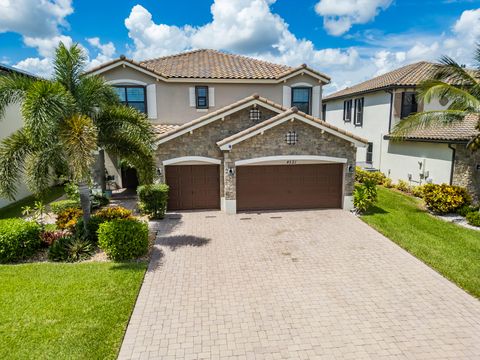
{"points": [[455, 83], [66, 120]]}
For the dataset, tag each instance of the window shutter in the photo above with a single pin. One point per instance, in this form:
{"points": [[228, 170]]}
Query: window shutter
{"points": [[397, 104], [316, 100], [287, 96], [152, 101], [211, 96], [420, 106], [191, 92]]}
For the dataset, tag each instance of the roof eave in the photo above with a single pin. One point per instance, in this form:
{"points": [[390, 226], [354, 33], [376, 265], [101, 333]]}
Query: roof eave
{"points": [[364, 92]]}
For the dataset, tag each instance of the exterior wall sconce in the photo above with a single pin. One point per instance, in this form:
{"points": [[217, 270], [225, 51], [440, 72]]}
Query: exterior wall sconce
{"points": [[159, 171], [231, 171], [350, 168]]}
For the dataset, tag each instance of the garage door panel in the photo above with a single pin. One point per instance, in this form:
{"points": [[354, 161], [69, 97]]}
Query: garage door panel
{"points": [[193, 187], [277, 187]]}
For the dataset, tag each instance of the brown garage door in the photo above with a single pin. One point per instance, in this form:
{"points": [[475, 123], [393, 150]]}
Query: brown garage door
{"points": [[279, 187], [193, 187]]}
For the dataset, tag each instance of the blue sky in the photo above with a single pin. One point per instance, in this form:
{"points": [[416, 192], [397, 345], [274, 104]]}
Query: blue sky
{"points": [[350, 40]]}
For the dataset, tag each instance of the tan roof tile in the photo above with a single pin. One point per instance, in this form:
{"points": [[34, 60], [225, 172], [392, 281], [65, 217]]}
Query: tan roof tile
{"points": [[164, 128]]}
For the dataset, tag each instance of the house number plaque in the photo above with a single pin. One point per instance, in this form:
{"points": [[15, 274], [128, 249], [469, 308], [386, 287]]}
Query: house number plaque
{"points": [[291, 162]]}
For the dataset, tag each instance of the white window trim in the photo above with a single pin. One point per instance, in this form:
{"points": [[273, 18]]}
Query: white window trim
{"points": [[188, 160], [301, 84], [126, 82], [310, 159]]}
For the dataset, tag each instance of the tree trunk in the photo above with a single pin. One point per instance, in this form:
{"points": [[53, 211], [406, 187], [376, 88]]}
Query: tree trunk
{"points": [[85, 203], [101, 160]]}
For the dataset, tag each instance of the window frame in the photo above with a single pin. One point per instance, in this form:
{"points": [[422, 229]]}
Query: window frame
{"points": [[197, 97], [309, 97], [347, 110], [126, 102], [358, 120], [413, 107], [324, 111], [369, 153]]}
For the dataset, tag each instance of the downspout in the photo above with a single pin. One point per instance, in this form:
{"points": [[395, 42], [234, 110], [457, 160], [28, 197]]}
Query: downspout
{"points": [[453, 162]]}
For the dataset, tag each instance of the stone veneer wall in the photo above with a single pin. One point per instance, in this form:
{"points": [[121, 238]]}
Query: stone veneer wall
{"points": [[202, 142], [311, 141], [464, 171]]}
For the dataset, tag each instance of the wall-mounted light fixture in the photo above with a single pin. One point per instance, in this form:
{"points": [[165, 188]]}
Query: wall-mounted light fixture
{"points": [[159, 171], [231, 171]]}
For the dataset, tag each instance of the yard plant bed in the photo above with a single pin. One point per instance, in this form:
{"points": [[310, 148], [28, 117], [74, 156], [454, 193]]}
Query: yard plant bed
{"points": [[66, 311], [451, 250]]}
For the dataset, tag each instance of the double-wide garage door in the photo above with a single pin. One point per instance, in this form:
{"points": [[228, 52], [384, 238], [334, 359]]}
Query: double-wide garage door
{"points": [[193, 187], [265, 187], [282, 187]]}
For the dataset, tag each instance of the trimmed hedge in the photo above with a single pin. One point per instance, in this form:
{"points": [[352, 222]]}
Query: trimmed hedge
{"points": [[19, 239], [101, 216], [62, 205], [444, 199], [375, 176], [153, 200], [473, 218], [123, 239]]}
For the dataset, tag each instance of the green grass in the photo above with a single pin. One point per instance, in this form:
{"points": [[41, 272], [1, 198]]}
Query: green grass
{"points": [[451, 250], [66, 311], [15, 209]]}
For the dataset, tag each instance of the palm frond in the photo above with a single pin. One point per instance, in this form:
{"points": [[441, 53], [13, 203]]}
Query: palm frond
{"points": [[451, 72], [93, 93], [78, 136], [422, 120], [39, 174], [461, 99], [13, 151], [68, 65], [12, 89], [476, 56]]}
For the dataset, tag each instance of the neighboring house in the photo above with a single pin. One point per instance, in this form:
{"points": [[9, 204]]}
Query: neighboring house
{"points": [[437, 154], [219, 146], [11, 121]]}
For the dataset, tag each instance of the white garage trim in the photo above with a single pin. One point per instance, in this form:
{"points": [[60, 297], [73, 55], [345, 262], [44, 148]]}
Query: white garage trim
{"points": [[284, 159], [127, 82], [191, 160]]}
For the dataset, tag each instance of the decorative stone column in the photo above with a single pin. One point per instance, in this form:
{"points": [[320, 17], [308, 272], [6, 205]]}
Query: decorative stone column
{"points": [[230, 194]]}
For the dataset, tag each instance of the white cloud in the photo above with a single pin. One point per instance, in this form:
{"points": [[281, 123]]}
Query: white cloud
{"points": [[41, 67], [46, 46], [106, 51], [340, 15], [39, 18]]}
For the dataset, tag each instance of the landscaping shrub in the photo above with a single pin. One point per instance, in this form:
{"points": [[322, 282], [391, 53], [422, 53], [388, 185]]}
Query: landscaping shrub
{"points": [[123, 239], [473, 218], [153, 200], [404, 186], [443, 199], [362, 175], [417, 191], [50, 236], [18, 239], [387, 182], [72, 191], [101, 216], [70, 248], [364, 196], [465, 209], [68, 218], [99, 201], [62, 205]]}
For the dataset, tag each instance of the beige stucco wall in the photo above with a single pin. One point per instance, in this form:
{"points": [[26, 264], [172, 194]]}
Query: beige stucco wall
{"points": [[12, 121], [173, 99]]}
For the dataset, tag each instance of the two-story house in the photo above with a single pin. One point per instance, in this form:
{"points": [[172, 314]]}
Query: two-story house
{"points": [[436, 154], [11, 121], [238, 133]]}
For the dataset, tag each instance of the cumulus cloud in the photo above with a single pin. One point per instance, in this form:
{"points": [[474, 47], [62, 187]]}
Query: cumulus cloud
{"points": [[340, 15], [41, 67], [38, 18], [106, 51]]}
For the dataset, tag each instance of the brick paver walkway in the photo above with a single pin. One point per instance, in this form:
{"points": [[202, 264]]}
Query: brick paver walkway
{"points": [[294, 285]]}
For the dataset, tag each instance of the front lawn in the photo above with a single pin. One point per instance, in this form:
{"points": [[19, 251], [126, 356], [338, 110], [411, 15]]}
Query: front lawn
{"points": [[450, 249], [66, 311]]}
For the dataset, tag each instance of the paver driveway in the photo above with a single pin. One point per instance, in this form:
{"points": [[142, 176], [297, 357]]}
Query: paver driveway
{"points": [[294, 285]]}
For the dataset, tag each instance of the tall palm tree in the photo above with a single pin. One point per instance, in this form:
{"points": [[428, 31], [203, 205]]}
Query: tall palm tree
{"points": [[66, 120], [455, 83]]}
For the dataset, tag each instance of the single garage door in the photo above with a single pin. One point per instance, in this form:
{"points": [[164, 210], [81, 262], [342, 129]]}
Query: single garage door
{"points": [[193, 187], [283, 187]]}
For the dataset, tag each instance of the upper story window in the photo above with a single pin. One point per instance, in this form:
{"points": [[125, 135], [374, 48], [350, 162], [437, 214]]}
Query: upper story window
{"points": [[201, 97], [358, 118], [133, 96], [324, 112], [347, 110], [302, 99], [409, 104]]}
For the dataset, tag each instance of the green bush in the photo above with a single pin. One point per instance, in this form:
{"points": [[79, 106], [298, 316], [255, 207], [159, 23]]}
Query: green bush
{"points": [[364, 196], [62, 205], [473, 218], [101, 216], [465, 209], [417, 191], [72, 191], [153, 200], [376, 176], [68, 218], [18, 239], [387, 182], [123, 239], [404, 186], [443, 199], [70, 248]]}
